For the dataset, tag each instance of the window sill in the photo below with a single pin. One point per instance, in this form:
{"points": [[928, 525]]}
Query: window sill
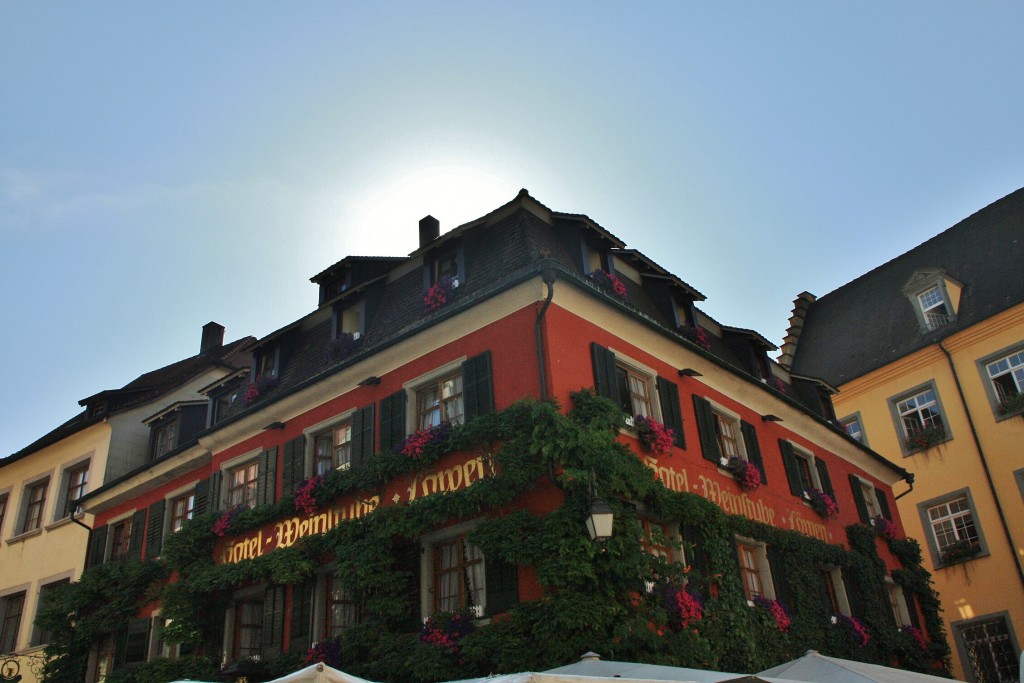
{"points": [[58, 524], [917, 451], [24, 536], [941, 564], [1006, 416]]}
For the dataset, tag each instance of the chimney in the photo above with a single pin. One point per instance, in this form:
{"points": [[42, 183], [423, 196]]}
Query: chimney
{"points": [[213, 337], [430, 229]]}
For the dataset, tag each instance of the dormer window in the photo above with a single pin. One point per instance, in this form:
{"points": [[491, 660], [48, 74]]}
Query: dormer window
{"points": [[266, 366], [165, 437], [934, 296]]}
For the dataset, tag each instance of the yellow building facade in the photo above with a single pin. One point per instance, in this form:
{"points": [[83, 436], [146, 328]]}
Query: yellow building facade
{"points": [[927, 354]]}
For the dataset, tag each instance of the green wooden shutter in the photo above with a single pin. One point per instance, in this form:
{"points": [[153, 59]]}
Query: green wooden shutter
{"points": [[792, 473], [826, 481], [883, 503], [502, 583], [392, 420], [155, 529], [301, 617], [266, 477], [908, 597], [98, 545], [604, 371], [293, 465], [407, 562], [777, 566], [216, 497], [138, 533], [272, 633], [477, 386], [671, 413], [362, 436], [858, 498], [706, 430], [753, 448], [696, 556], [136, 649], [202, 498]]}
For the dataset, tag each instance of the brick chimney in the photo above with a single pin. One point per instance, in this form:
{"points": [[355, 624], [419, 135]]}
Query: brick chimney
{"points": [[213, 337], [430, 229]]}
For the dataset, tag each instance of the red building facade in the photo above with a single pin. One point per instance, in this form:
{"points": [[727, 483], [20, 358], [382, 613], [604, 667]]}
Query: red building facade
{"points": [[386, 417]]}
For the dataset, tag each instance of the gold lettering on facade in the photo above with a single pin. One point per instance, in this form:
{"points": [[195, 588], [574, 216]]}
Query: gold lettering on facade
{"points": [[447, 480], [810, 528]]}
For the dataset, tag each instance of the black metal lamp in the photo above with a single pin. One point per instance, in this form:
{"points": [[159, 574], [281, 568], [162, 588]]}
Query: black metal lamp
{"points": [[600, 520]]}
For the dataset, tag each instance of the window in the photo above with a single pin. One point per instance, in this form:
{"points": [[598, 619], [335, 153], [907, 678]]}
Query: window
{"points": [[933, 307], [35, 501], [223, 402], [835, 590], [11, 607], [755, 571], [165, 438], [919, 415], [988, 649], [248, 630], [266, 364], [41, 636], [729, 441], [3, 511], [342, 609], [242, 484], [440, 401], [634, 393], [458, 576], [662, 539], [76, 484], [332, 449], [898, 603], [120, 539], [182, 509], [952, 530], [871, 502], [854, 428], [1005, 383], [805, 471], [724, 435]]}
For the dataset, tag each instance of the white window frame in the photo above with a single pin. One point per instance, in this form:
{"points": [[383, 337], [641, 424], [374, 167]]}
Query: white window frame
{"points": [[869, 494], [898, 603], [918, 289], [649, 378], [321, 607], [169, 500], [719, 412], [252, 594], [859, 434], [413, 387], [764, 569], [427, 543], [319, 429], [931, 539], [225, 477], [1014, 358], [899, 415], [801, 453], [842, 599]]}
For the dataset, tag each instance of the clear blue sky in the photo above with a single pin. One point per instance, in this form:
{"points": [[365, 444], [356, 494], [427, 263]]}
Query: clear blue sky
{"points": [[164, 164]]}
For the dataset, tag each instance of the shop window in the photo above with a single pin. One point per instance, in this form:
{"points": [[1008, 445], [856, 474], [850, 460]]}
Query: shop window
{"points": [[11, 607], [988, 649]]}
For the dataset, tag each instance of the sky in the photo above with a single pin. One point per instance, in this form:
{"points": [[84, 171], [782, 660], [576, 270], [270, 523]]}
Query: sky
{"points": [[165, 164]]}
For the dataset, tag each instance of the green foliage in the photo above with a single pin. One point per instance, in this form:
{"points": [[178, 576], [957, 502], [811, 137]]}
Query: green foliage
{"points": [[595, 595], [162, 670]]}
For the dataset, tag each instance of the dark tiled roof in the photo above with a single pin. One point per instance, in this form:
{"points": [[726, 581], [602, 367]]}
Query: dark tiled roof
{"points": [[870, 322]]}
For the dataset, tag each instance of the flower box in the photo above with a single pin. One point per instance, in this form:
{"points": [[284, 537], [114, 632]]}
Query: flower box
{"points": [[696, 334], [961, 551], [1011, 405], [925, 438], [609, 281], [822, 503], [654, 436], [439, 294], [747, 475]]}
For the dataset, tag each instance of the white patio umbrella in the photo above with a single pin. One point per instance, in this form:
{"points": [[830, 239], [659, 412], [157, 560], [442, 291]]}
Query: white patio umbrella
{"points": [[319, 673], [817, 668]]}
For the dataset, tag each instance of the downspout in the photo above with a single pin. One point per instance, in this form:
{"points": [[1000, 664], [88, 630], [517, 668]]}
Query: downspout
{"points": [[910, 480], [75, 519], [548, 275], [984, 463]]}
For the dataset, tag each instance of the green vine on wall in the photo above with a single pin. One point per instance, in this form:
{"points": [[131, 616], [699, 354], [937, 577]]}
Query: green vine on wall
{"points": [[595, 596]]}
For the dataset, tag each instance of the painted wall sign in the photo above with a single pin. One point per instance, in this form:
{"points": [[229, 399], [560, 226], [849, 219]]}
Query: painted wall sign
{"points": [[735, 503]]}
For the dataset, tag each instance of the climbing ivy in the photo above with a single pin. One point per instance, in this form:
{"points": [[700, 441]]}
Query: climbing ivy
{"points": [[597, 595]]}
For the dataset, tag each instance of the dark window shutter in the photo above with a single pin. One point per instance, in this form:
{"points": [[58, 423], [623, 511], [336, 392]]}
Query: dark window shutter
{"points": [[155, 529], [826, 481], [293, 465], [854, 595], [266, 477], [362, 436], [301, 617], [858, 498], [138, 533], [604, 371], [908, 597], [136, 649], [502, 582], [202, 501], [668, 396], [273, 621], [477, 387], [392, 420], [216, 497], [98, 545], [777, 566], [407, 561], [706, 430], [753, 448], [792, 474], [883, 503]]}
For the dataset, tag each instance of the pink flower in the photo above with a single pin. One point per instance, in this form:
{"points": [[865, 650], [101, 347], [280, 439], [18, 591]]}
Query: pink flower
{"points": [[777, 610], [305, 498], [653, 435], [746, 473], [223, 523], [690, 609], [884, 528], [824, 504], [916, 634], [857, 630], [416, 443], [609, 281], [438, 294]]}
